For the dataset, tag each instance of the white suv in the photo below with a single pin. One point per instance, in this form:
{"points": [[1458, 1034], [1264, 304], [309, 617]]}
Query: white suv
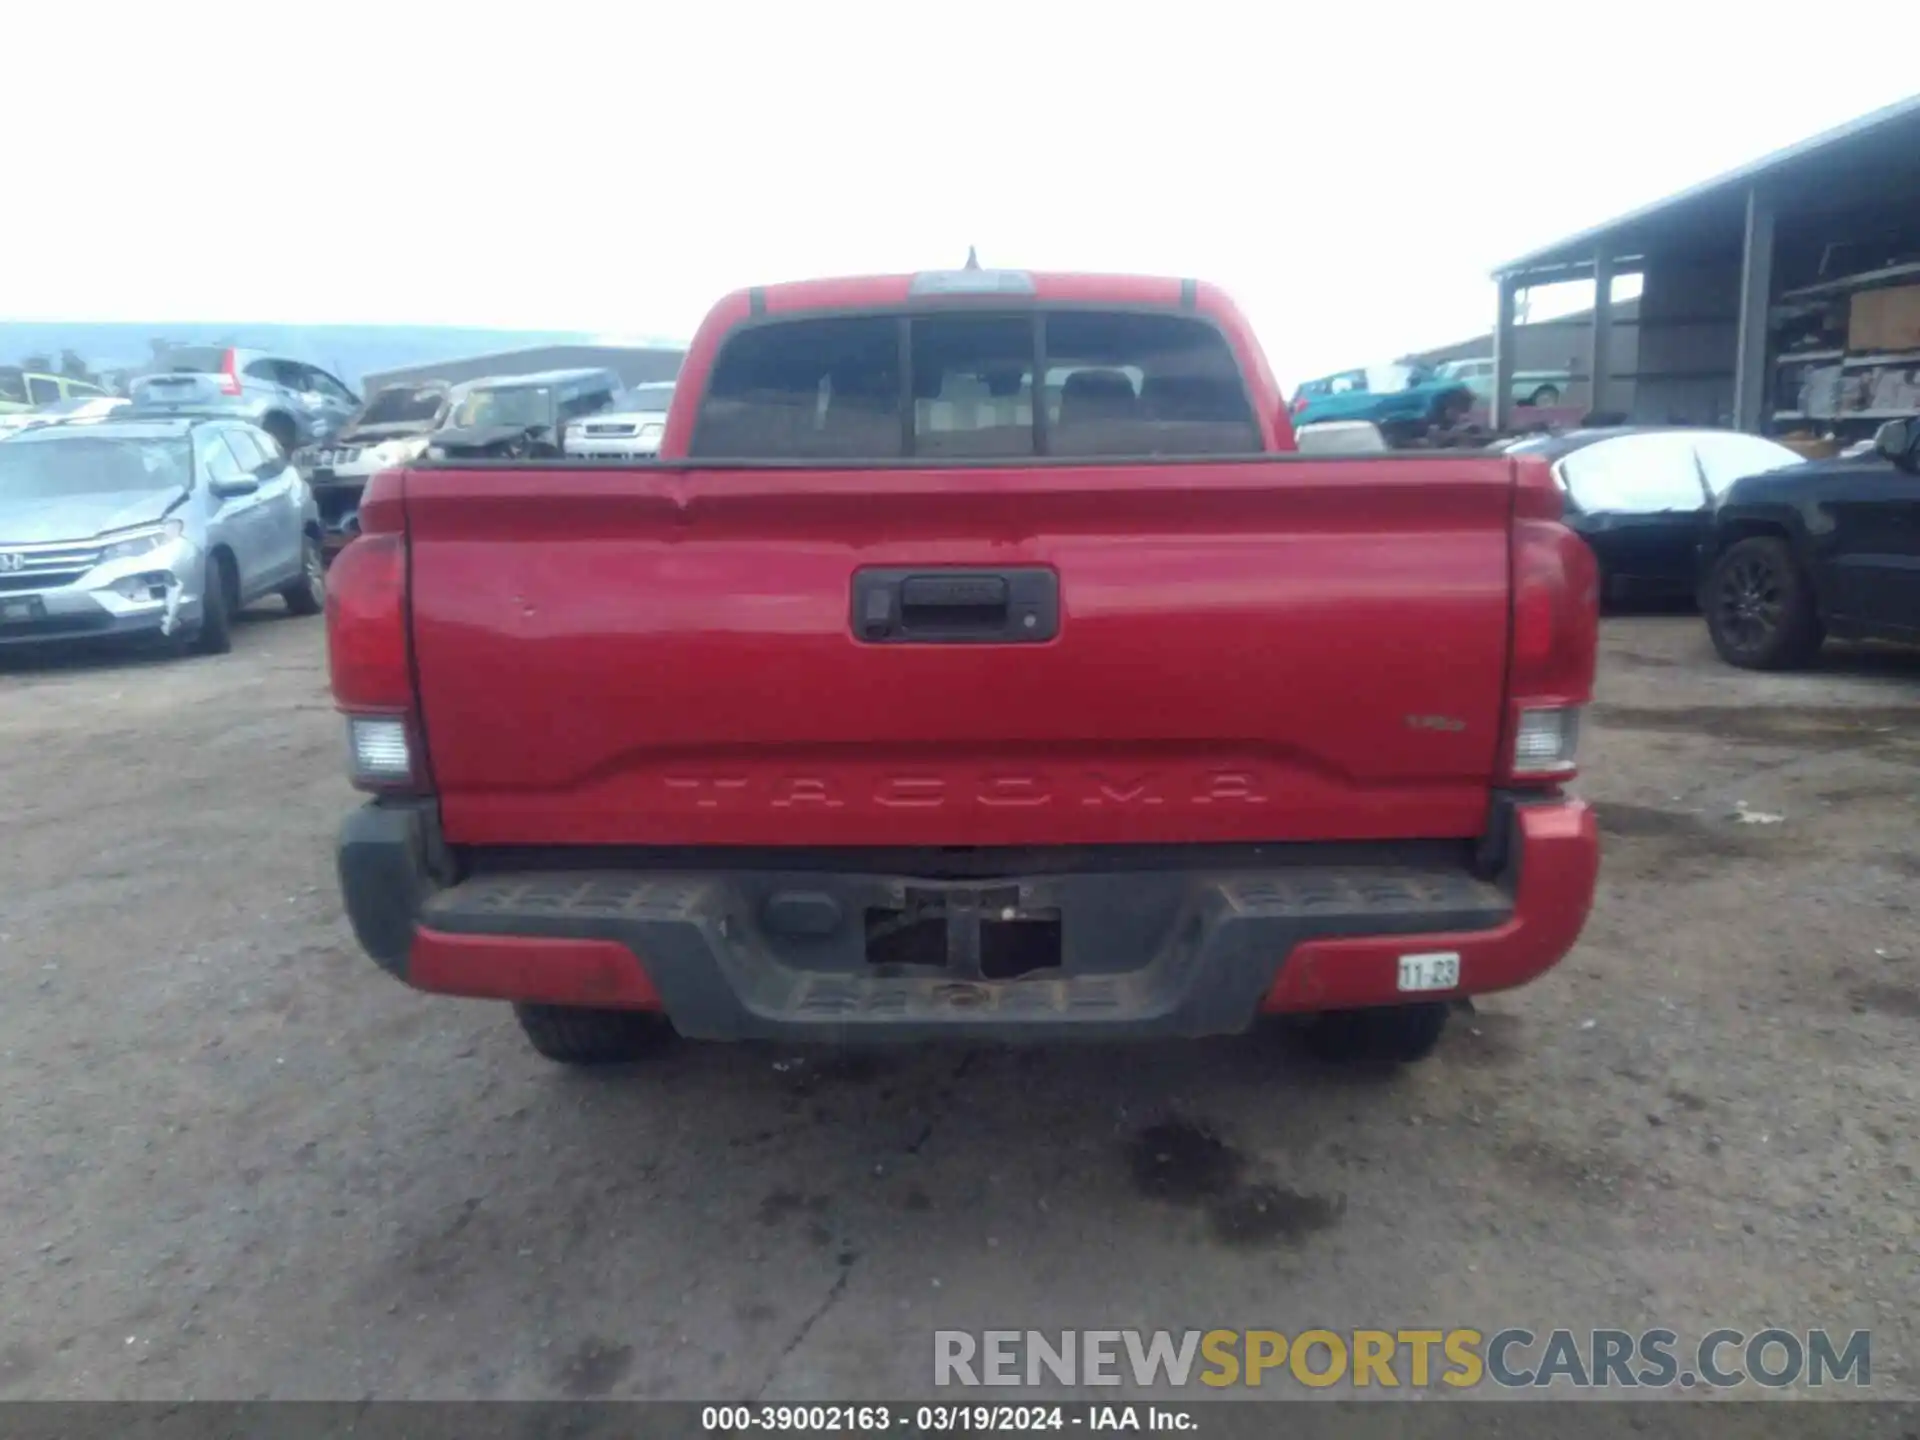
{"points": [[631, 430]]}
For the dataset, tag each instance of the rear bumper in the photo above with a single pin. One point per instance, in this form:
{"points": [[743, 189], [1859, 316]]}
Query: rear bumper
{"points": [[782, 954]]}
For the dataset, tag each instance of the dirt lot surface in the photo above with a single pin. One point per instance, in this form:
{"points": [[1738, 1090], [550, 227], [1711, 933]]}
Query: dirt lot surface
{"points": [[238, 1161]]}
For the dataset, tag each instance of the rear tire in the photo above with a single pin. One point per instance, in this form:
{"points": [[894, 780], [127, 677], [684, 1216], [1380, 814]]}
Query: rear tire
{"points": [[1389, 1035], [1759, 607], [308, 594], [573, 1035], [1545, 395], [217, 604], [1451, 409]]}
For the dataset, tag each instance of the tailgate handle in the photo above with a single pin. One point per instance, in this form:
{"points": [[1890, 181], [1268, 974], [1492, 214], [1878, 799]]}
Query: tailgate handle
{"points": [[976, 600], [954, 607]]}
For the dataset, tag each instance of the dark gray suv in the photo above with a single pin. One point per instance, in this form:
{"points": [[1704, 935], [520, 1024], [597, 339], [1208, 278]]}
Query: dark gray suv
{"points": [[294, 402]]}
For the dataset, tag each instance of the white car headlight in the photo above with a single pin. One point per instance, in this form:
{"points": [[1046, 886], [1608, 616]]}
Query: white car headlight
{"points": [[652, 432], [148, 538]]}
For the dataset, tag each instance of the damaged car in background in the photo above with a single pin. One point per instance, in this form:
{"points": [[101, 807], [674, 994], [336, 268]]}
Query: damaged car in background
{"points": [[152, 528], [80, 410], [631, 430], [392, 428], [522, 417]]}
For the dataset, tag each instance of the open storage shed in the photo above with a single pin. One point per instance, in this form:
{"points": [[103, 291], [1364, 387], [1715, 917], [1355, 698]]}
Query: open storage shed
{"points": [[1781, 298]]}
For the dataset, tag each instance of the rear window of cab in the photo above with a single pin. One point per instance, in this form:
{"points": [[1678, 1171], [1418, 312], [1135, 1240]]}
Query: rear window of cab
{"points": [[950, 386]]}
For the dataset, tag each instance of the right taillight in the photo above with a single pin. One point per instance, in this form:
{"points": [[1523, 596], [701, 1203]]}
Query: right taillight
{"points": [[1555, 639], [369, 656], [230, 374]]}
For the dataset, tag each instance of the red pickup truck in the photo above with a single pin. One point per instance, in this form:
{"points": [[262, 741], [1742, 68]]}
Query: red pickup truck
{"points": [[977, 659]]}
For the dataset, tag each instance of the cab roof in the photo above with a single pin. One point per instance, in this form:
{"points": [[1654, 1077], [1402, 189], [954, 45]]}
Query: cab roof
{"points": [[873, 292]]}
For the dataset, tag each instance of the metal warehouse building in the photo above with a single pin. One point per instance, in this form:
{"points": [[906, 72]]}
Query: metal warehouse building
{"points": [[1562, 342], [636, 365], [1782, 297]]}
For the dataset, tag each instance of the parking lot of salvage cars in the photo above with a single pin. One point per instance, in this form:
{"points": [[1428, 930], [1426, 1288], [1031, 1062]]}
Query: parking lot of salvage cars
{"points": [[238, 1160]]}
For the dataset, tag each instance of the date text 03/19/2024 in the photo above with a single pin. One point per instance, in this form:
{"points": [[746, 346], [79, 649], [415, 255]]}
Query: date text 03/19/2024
{"points": [[939, 1419]]}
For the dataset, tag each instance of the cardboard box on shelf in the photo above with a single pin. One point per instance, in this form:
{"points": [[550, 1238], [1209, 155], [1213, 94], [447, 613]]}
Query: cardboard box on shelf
{"points": [[1820, 390], [1895, 389], [1885, 320]]}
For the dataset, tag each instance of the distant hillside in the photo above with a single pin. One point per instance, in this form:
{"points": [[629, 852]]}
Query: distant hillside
{"points": [[349, 351]]}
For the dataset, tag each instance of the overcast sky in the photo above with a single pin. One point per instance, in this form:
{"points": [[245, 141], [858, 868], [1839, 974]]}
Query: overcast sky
{"points": [[1351, 173]]}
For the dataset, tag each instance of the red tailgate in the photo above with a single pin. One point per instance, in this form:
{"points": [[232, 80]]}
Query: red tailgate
{"points": [[1246, 650]]}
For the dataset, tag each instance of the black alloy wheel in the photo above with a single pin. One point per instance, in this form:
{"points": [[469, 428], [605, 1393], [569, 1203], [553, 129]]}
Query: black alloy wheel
{"points": [[1759, 611]]}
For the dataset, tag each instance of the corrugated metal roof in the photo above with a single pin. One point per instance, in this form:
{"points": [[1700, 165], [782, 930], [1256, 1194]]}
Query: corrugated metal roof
{"points": [[634, 365], [1724, 194]]}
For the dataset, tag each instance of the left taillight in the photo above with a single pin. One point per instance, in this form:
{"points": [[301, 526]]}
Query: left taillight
{"points": [[369, 653], [1555, 635]]}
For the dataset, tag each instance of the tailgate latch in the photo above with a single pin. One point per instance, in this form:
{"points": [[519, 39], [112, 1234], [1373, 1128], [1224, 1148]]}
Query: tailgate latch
{"points": [[1019, 606]]}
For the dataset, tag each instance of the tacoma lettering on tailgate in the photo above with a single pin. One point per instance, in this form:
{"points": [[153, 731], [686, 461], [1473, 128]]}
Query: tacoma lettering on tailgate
{"points": [[999, 791]]}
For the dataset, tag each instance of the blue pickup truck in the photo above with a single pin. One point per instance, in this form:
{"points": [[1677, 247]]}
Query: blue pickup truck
{"points": [[1404, 400]]}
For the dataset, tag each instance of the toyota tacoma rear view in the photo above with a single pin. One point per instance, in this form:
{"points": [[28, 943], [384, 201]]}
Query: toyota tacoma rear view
{"points": [[977, 659]]}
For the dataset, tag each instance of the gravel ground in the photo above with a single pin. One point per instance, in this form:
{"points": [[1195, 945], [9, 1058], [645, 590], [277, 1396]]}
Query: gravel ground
{"points": [[239, 1161]]}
